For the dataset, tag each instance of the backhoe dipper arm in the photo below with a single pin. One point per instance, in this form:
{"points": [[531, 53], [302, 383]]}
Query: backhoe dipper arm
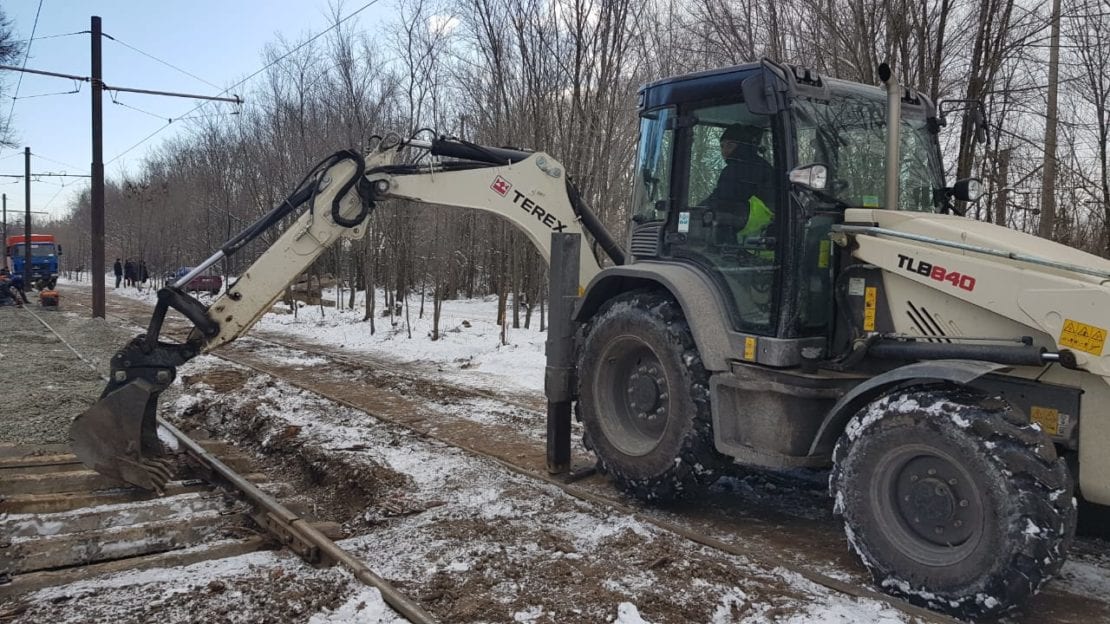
{"points": [[118, 435], [257, 288], [532, 194]]}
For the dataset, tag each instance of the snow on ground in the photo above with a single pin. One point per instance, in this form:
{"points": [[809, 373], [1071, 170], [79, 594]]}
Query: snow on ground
{"points": [[468, 352], [515, 549]]}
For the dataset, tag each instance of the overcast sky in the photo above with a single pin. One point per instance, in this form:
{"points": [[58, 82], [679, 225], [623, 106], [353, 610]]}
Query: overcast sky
{"points": [[220, 42]]}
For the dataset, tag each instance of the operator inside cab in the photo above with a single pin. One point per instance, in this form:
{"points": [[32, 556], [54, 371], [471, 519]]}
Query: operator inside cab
{"points": [[746, 186]]}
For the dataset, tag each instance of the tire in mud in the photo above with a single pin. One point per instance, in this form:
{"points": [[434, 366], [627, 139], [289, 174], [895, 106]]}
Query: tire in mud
{"points": [[951, 502], [643, 398]]}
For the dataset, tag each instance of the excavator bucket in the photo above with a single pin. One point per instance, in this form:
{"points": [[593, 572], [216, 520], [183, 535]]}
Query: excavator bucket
{"points": [[118, 436]]}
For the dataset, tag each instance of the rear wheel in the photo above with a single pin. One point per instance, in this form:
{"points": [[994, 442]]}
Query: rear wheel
{"points": [[952, 503], [644, 399]]}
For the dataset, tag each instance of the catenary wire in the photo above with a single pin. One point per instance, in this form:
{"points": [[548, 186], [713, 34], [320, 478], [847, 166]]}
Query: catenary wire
{"points": [[155, 58], [26, 55], [243, 81]]}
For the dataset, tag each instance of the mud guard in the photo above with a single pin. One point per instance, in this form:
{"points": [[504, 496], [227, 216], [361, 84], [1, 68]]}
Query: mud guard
{"points": [[689, 287], [960, 372]]}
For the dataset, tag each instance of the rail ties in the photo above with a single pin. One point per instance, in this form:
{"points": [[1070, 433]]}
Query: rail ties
{"points": [[61, 522]]}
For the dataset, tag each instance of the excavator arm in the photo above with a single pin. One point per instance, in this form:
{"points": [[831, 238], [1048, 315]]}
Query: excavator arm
{"points": [[118, 435]]}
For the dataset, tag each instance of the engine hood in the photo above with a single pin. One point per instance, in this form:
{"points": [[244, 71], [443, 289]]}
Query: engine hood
{"points": [[966, 231]]}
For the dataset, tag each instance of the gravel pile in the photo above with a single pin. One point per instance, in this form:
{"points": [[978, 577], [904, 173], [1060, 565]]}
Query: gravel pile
{"points": [[44, 384]]}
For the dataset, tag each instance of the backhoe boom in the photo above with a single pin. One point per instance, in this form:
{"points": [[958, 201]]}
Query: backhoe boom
{"points": [[118, 435]]}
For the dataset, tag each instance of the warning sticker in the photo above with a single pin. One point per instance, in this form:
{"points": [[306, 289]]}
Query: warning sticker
{"points": [[683, 222], [824, 251], [1048, 418], [749, 348], [1084, 337], [870, 297]]}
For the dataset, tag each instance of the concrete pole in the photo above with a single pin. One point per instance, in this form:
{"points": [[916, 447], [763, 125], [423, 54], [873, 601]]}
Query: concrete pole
{"points": [[97, 273], [27, 219]]}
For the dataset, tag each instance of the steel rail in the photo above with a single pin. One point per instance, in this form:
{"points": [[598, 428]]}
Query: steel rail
{"points": [[286, 525], [302, 529]]}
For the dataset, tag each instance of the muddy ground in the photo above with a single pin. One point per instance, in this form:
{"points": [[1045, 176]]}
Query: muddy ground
{"points": [[467, 538]]}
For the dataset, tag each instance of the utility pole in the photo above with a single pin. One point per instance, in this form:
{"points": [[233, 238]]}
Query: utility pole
{"points": [[1048, 184], [97, 169], [4, 237], [27, 221], [97, 80]]}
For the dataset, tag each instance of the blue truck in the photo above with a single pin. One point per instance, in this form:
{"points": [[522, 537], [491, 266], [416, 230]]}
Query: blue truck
{"points": [[44, 258]]}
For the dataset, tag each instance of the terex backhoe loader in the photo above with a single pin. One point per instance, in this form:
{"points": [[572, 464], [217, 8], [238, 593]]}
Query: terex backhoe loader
{"points": [[952, 373]]}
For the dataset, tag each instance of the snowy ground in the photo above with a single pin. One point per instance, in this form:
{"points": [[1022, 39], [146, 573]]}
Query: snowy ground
{"points": [[486, 544], [508, 526], [469, 350]]}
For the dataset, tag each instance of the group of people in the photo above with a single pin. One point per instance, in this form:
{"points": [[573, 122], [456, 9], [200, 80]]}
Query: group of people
{"points": [[11, 291], [131, 273]]}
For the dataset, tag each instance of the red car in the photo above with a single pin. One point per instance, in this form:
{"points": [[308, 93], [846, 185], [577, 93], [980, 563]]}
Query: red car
{"points": [[206, 283]]}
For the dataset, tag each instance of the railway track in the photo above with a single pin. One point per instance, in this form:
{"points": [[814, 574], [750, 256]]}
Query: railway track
{"points": [[63, 523], [704, 526]]}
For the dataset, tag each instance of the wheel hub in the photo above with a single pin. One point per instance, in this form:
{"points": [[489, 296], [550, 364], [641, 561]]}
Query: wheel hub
{"points": [[634, 396], [643, 393], [933, 503]]}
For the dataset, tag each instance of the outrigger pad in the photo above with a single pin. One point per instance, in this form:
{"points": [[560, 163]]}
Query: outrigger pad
{"points": [[117, 437]]}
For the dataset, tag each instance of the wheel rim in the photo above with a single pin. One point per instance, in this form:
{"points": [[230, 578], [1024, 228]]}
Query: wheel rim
{"points": [[632, 395], [928, 504]]}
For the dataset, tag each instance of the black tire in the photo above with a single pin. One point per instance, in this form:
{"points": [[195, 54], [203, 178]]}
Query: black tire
{"points": [[951, 502], [643, 398]]}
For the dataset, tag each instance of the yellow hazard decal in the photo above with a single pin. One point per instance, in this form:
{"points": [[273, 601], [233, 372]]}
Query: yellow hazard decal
{"points": [[1047, 418], [749, 348], [1084, 337], [823, 253], [870, 297]]}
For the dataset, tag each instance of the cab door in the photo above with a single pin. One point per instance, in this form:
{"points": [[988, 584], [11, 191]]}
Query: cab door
{"points": [[729, 197]]}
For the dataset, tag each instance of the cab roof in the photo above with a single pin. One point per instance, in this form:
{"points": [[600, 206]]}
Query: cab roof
{"points": [[703, 85]]}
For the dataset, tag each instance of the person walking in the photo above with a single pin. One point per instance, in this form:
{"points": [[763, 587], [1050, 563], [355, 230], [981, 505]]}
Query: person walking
{"points": [[129, 273], [117, 268]]}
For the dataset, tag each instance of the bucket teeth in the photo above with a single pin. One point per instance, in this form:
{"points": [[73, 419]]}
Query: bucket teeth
{"points": [[118, 437]]}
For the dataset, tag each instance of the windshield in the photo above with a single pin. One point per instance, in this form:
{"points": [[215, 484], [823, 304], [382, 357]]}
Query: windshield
{"points": [[848, 133], [38, 250]]}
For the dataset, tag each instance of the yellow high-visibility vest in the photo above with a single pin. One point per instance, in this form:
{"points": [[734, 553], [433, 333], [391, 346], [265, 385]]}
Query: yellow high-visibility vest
{"points": [[759, 217]]}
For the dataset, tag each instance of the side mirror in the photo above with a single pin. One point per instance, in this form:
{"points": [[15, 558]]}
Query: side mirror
{"points": [[814, 176], [968, 189]]}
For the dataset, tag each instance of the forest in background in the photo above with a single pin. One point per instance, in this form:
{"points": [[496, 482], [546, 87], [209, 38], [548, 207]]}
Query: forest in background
{"points": [[562, 76]]}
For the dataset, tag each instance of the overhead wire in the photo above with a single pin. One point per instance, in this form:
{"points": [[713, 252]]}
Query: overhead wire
{"points": [[41, 38], [56, 162], [115, 100], [26, 55], [243, 81], [76, 89], [155, 58]]}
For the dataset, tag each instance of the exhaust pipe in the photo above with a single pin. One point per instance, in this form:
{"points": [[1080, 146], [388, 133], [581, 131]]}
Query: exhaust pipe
{"points": [[893, 134]]}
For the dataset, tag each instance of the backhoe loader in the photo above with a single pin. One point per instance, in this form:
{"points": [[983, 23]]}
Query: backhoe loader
{"points": [[823, 307]]}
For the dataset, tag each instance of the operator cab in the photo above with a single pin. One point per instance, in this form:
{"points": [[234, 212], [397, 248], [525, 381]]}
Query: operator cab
{"points": [[713, 189]]}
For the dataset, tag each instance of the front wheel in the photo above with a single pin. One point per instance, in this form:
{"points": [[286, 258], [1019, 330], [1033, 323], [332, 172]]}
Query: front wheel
{"points": [[952, 503], [644, 399]]}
